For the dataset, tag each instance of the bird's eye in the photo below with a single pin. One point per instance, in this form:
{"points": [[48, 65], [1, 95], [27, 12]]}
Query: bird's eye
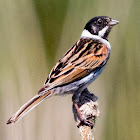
{"points": [[99, 21]]}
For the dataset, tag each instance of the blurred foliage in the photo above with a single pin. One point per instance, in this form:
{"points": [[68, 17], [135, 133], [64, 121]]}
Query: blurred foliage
{"points": [[51, 15], [34, 35]]}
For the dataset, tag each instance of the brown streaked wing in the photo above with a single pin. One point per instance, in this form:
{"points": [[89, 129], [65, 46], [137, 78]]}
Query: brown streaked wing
{"points": [[85, 56]]}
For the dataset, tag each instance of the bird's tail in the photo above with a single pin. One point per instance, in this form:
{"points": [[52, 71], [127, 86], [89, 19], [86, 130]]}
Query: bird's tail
{"points": [[28, 107]]}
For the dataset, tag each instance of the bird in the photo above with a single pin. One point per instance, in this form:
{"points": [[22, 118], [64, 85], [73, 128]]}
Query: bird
{"points": [[77, 68]]}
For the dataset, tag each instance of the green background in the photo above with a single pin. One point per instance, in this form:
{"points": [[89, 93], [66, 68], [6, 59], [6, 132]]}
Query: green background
{"points": [[34, 34]]}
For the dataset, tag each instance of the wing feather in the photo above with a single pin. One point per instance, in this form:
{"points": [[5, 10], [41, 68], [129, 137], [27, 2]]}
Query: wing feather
{"points": [[85, 56]]}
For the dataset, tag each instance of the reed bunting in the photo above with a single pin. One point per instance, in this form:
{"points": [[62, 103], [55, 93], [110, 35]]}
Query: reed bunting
{"points": [[79, 66]]}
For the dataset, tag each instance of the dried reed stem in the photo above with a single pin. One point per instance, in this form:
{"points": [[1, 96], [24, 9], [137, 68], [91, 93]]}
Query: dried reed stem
{"points": [[86, 133], [88, 107]]}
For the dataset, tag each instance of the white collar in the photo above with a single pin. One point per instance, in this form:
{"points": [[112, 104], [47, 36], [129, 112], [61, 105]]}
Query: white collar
{"points": [[87, 34]]}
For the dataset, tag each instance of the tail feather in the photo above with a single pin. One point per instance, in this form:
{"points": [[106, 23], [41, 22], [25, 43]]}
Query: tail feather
{"points": [[28, 107]]}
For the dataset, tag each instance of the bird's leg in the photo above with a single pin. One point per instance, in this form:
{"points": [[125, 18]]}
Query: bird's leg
{"points": [[78, 101]]}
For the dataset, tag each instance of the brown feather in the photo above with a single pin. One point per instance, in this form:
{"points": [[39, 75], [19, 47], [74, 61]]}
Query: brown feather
{"points": [[27, 107], [85, 56]]}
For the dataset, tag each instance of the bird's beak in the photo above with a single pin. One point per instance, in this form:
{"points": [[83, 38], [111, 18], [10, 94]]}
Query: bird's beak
{"points": [[113, 22]]}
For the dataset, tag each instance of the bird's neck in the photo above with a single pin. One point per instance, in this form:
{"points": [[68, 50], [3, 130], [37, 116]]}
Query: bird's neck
{"points": [[87, 34]]}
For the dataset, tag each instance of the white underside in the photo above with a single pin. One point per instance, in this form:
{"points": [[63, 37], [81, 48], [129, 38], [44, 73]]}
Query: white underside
{"points": [[79, 85], [87, 34]]}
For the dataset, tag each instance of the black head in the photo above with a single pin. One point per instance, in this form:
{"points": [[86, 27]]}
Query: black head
{"points": [[101, 26]]}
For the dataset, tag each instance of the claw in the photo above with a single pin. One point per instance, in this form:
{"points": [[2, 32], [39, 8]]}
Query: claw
{"points": [[85, 122]]}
